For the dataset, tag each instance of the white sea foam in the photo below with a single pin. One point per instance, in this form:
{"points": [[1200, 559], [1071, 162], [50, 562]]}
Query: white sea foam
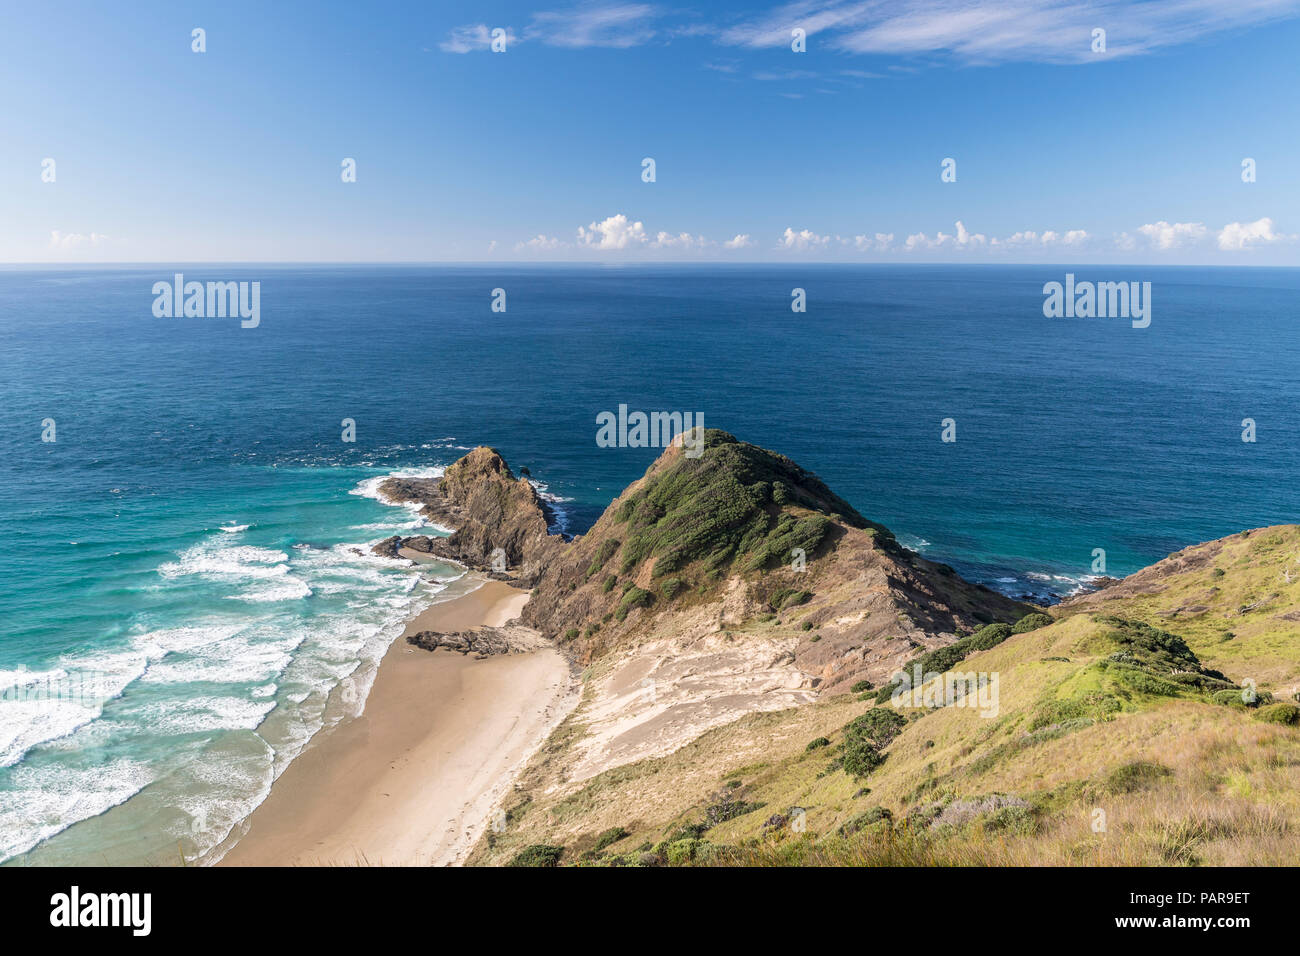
{"points": [[369, 487], [265, 572], [266, 668], [563, 516], [44, 705], [46, 800]]}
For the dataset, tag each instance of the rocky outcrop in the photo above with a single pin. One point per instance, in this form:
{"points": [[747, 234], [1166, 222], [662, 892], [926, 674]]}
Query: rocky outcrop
{"points": [[742, 541], [481, 641], [500, 522], [737, 544]]}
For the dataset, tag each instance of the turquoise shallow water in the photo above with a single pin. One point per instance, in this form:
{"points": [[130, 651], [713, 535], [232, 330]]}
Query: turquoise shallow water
{"points": [[185, 572]]}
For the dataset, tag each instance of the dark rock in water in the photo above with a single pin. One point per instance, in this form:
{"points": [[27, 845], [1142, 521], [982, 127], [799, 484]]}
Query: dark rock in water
{"points": [[388, 547], [501, 523]]}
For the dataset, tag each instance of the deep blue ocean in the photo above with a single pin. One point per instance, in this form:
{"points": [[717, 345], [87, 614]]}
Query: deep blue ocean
{"points": [[194, 540]]}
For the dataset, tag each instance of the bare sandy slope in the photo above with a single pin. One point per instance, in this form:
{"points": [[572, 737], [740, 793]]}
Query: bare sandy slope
{"points": [[412, 781]]}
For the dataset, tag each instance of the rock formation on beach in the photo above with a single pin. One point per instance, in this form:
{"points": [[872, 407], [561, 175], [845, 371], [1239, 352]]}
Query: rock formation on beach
{"points": [[481, 642]]}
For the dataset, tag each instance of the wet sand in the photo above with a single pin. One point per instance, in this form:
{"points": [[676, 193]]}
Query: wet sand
{"points": [[412, 781]]}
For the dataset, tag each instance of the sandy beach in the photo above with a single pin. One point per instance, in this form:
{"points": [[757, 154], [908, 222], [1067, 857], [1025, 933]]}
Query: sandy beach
{"points": [[412, 781]]}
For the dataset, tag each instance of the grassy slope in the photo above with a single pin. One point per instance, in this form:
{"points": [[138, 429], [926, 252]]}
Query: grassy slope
{"points": [[1206, 608], [1178, 777]]}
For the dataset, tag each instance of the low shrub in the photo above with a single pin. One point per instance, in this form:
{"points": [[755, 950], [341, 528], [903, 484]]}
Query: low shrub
{"points": [[539, 854], [680, 852], [788, 597], [1288, 714], [608, 838], [727, 806], [869, 817], [866, 736], [1138, 775], [632, 597], [1032, 622]]}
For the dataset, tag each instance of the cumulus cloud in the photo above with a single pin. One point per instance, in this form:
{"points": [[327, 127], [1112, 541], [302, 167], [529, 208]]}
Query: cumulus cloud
{"points": [[963, 238], [683, 240], [1050, 237], [473, 37], [615, 232], [802, 240], [1243, 235], [877, 243], [1167, 235], [620, 233]]}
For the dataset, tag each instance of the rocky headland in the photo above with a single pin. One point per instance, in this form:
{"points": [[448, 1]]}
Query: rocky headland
{"points": [[738, 626]]}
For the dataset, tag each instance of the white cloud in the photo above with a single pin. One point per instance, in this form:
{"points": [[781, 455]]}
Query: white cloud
{"points": [[1050, 237], [1024, 30], [962, 239], [616, 25], [472, 37], [802, 240], [71, 241], [683, 240], [1057, 31], [540, 242], [1243, 235], [1166, 235], [619, 233], [879, 242], [615, 232], [965, 238]]}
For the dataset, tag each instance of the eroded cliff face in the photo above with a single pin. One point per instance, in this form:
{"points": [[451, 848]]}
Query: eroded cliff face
{"points": [[500, 523]]}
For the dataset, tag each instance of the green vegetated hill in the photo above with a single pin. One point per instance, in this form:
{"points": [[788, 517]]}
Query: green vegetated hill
{"points": [[750, 533], [1153, 722]]}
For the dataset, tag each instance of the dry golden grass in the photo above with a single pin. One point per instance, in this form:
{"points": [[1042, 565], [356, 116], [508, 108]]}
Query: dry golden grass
{"points": [[1229, 793]]}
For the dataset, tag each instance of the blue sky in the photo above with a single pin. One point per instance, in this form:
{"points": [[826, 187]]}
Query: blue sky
{"points": [[1063, 154]]}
